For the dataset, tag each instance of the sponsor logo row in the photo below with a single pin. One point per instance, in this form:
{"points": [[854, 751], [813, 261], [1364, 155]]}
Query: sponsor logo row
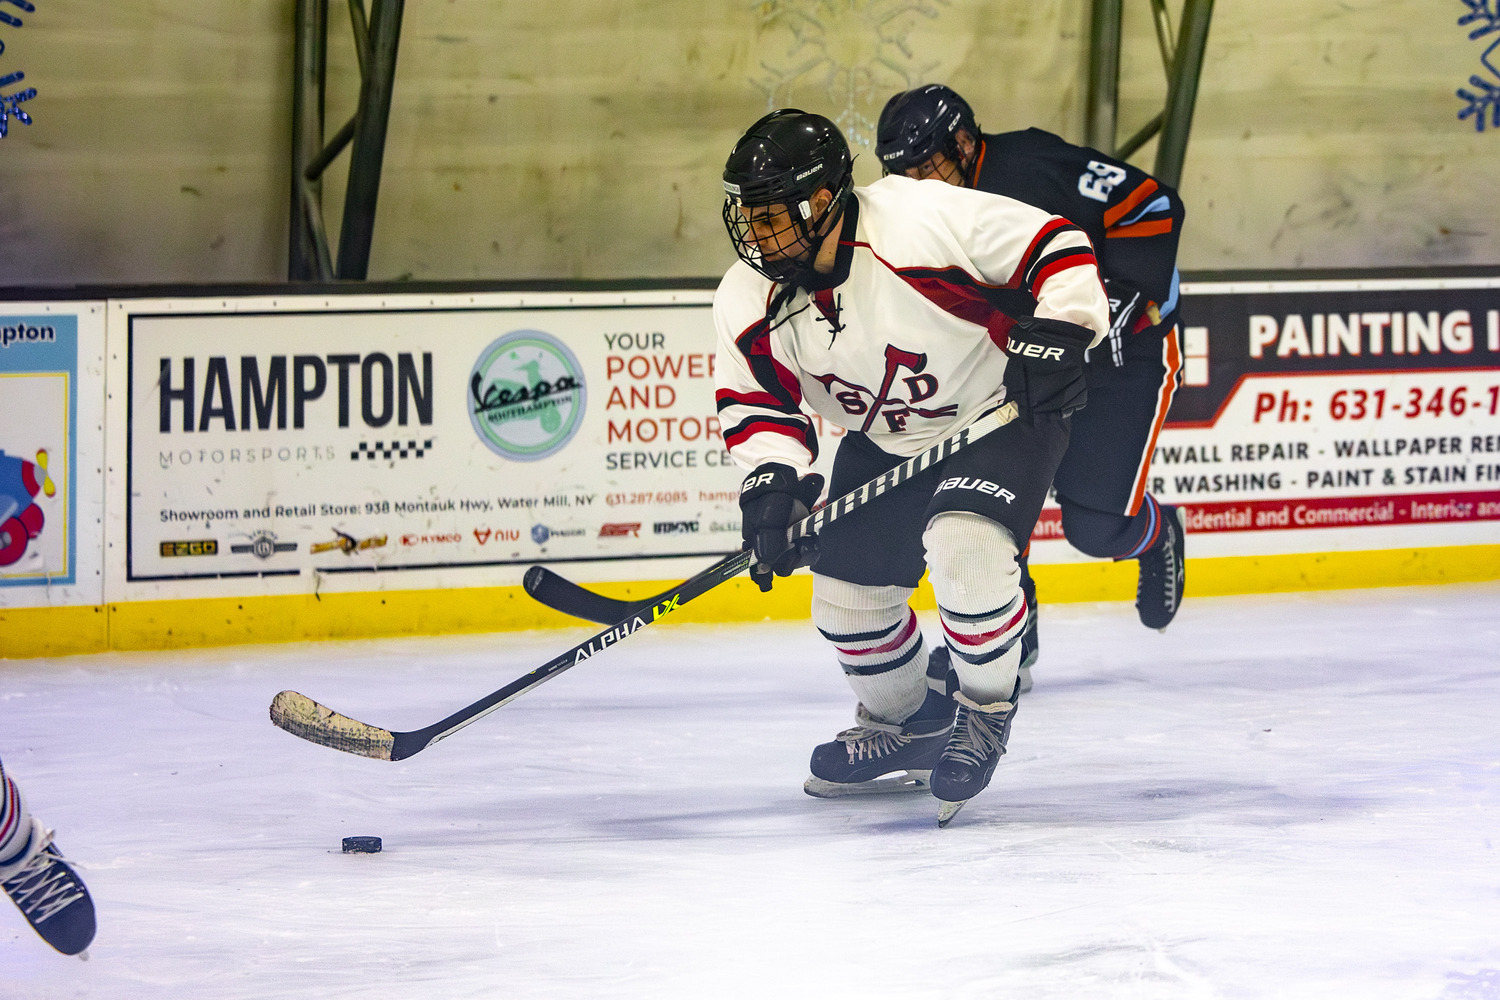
{"points": [[265, 544]]}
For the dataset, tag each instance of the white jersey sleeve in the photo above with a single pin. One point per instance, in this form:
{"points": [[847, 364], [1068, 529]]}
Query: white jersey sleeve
{"points": [[1018, 246], [759, 394]]}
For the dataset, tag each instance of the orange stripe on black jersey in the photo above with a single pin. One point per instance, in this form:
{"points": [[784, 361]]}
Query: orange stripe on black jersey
{"points": [[1134, 198], [1153, 227]]}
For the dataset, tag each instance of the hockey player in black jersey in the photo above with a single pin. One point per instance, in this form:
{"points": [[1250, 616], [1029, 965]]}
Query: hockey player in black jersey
{"points": [[1134, 222], [902, 312]]}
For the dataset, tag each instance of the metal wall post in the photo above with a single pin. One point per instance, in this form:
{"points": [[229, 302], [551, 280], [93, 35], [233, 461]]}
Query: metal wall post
{"points": [[1101, 115], [375, 44], [310, 72], [1182, 92], [368, 152]]}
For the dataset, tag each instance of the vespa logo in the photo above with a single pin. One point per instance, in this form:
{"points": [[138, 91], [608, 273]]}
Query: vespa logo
{"points": [[526, 396]]}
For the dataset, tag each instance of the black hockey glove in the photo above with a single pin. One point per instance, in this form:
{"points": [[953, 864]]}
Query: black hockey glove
{"points": [[1046, 370], [1127, 306], [773, 499]]}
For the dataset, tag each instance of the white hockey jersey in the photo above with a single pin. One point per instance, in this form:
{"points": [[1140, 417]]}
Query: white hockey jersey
{"points": [[908, 346]]}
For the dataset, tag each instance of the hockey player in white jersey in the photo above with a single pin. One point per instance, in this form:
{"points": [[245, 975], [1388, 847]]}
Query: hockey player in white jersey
{"points": [[901, 312]]}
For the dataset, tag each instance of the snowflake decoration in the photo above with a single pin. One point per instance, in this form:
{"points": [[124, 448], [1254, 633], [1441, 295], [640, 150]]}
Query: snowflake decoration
{"points": [[10, 104], [11, 19], [856, 52], [1486, 102]]}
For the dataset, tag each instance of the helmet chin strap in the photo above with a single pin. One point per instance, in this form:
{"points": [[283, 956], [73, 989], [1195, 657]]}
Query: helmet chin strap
{"points": [[814, 235]]}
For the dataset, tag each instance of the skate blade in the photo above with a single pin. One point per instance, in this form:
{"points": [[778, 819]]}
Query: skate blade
{"points": [[948, 810], [907, 781]]}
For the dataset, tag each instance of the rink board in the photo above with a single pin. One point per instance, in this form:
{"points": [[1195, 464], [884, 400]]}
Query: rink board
{"points": [[291, 466]]}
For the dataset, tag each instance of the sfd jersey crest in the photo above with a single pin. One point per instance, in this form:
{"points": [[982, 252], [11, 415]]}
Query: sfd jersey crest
{"points": [[906, 341]]}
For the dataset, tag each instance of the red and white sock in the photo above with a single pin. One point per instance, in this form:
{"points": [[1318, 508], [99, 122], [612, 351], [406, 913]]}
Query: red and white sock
{"points": [[971, 562], [15, 823], [875, 636]]}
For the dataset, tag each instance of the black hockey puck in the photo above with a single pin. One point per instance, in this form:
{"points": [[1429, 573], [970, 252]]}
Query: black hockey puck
{"points": [[361, 845]]}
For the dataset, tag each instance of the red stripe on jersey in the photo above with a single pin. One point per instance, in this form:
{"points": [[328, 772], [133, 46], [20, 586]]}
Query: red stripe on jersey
{"points": [[1061, 264], [748, 398], [984, 637], [964, 300], [965, 303], [894, 644], [1117, 212], [759, 345], [1154, 227], [1051, 226], [734, 439]]}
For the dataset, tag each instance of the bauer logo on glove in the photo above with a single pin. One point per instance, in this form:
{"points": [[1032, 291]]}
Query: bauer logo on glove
{"points": [[1048, 344], [772, 499], [1035, 350]]}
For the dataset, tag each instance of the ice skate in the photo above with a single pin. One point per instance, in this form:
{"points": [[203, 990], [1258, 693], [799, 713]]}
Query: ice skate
{"points": [[1158, 592], [975, 747], [875, 758], [50, 894]]}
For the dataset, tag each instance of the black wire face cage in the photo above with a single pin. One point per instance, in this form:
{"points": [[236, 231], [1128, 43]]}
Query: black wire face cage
{"points": [[944, 164], [778, 244]]}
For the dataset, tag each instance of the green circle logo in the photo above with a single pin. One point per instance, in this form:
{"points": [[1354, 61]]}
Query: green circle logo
{"points": [[526, 395]]}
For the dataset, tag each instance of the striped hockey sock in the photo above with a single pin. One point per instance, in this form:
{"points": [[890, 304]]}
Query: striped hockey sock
{"points": [[973, 569], [15, 824], [878, 643]]}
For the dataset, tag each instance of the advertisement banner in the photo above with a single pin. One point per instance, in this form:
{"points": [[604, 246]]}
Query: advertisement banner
{"points": [[1327, 416], [51, 441], [403, 442], [358, 440]]}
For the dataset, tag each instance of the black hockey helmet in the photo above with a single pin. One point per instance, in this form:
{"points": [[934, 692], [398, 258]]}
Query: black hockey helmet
{"points": [[918, 124], [784, 159]]}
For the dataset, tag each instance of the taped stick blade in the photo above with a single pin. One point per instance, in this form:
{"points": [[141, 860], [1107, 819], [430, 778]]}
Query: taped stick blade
{"points": [[301, 716]]}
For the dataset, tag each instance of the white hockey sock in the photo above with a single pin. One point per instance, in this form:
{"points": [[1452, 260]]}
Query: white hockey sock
{"points": [[971, 562], [875, 635], [15, 823]]}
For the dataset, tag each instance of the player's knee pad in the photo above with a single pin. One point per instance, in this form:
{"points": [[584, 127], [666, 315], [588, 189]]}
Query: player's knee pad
{"points": [[878, 643], [971, 562], [1102, 534]]}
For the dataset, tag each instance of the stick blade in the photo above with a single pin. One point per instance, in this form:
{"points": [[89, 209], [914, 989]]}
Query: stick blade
{"points": [[301, 716]]}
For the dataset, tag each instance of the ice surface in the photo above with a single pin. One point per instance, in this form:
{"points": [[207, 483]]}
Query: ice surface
{"points": [[1285, 796]]}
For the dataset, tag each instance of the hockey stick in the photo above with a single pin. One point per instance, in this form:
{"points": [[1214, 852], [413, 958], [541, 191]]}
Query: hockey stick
{"points": [[561, 594], [303, 717]]}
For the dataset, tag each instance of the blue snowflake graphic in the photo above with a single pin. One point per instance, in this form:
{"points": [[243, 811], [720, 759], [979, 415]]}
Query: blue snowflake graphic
{"points": [[11, 19], [1484, 101], [10, 104]]}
